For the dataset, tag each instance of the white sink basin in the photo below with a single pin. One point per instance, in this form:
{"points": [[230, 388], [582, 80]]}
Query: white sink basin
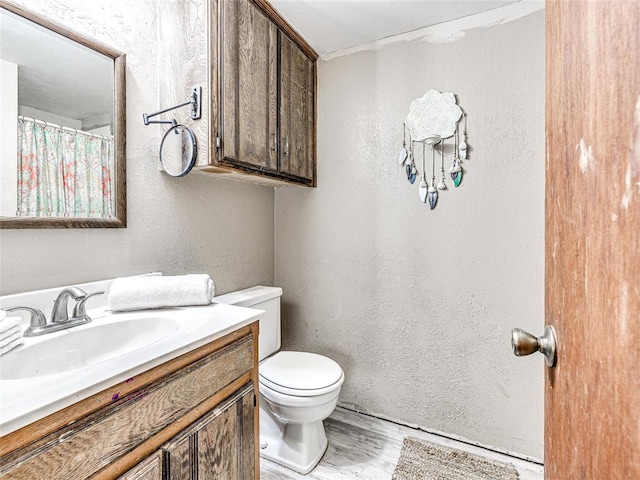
{"points": [[73, 349]]}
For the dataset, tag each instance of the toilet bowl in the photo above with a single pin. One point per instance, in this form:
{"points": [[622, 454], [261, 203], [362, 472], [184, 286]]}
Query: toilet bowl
{"points": [[298, 390]]}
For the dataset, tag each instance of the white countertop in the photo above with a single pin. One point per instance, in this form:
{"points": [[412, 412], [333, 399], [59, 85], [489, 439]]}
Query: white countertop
{"points": [[23, 401]]}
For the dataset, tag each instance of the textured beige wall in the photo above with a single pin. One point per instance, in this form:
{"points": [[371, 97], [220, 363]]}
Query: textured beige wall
{"points": [[194, 224], [417, 305]]}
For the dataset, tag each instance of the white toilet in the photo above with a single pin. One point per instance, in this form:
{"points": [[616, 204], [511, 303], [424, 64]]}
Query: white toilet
{"points": [[298, 390]]}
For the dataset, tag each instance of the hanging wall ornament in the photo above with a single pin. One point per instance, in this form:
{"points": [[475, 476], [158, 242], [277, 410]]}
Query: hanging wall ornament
{"points": [[433, 191], [432, 118], [403, 151], [423, 187], [442, 185]]}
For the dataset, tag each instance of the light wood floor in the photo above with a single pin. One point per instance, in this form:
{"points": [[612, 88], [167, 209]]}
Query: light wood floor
{"points": [[367, 448]]}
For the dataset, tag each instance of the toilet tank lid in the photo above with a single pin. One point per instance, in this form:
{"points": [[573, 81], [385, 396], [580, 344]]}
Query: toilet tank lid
{"points": [[249, 296]]}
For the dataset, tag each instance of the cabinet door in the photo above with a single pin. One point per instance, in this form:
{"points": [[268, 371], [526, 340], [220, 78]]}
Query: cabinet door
{"points": [[226, 442], [220, 446], [149, 469], [248, 69], [297, 112]]}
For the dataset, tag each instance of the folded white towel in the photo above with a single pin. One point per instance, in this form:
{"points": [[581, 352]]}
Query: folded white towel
{"points": [[8, 323], [139, 293], [11, 338], [11, 345], [12, 331]]}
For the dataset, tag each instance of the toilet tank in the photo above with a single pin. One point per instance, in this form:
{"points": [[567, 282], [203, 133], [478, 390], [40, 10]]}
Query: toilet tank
{"points": [[262, 298]]}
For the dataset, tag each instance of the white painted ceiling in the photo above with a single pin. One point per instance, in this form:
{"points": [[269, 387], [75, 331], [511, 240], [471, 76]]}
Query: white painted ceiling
{"points": [[332, 25]]}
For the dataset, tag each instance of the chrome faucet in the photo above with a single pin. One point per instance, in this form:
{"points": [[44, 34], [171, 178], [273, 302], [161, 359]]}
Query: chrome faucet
{"points": [[60, 314]]}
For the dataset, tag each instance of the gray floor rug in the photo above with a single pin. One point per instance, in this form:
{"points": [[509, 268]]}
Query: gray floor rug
{"points": [[421, 460]]}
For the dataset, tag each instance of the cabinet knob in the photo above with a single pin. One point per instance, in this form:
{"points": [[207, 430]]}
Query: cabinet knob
{"points": [[286, 145], [274, 145]]}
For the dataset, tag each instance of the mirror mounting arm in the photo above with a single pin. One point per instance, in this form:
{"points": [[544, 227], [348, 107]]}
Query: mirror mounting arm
{"points": [[196, 107]]}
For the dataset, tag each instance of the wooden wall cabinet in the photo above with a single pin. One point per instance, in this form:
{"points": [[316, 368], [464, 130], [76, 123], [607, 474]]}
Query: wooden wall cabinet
{"points": [[194, 417], [266, 106], [259, 108]]}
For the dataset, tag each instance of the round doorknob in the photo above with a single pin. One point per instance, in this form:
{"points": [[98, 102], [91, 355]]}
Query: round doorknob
{"points": [[524, 343]]}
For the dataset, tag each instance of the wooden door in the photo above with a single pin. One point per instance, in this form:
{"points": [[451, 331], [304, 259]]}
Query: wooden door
{"points": [[592, 402], [248, 69], [297, 112]]}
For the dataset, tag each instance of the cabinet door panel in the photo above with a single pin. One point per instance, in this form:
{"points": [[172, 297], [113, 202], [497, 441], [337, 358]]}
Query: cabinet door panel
{"points": [[249, 89], [179, 458], [218, 446], [250, 459], [149, 469], [297, 111], [225, 441]]}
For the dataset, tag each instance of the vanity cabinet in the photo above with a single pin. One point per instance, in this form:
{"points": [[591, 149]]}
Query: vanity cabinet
{"points": [[259, 88], [192, 417]]}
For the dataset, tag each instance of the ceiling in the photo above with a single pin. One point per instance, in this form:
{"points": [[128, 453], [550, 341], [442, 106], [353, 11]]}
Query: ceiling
{"points": [[332, 25]]}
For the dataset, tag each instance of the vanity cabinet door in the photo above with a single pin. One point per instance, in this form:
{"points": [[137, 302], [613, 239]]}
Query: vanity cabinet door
{"points": [[220, 446], [248, 76], [297, 112], [149, 469]]}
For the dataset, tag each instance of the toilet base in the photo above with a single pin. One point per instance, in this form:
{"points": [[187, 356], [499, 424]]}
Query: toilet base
{"points": [[298, 446]]}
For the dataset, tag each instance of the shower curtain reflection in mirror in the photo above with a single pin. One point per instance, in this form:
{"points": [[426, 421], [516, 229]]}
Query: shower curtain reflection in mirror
{"points": [[63, 172]]}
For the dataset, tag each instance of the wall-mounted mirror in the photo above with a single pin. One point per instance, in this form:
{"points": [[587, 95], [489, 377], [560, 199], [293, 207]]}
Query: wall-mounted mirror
{"points": [[62, 126]]}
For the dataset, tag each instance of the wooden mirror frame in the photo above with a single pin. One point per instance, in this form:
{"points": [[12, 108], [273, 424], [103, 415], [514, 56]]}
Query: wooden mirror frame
{"points": [[120, 184]]}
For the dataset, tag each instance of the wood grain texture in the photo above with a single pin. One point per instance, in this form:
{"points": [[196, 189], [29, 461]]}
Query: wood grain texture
{"points": [[183, 60], [250, 83], [119, 109], [592, 402], [248, 440], [74, 413], [149, 446], [149, 469], [82, 449], [297, 112], [217, 443], [178, 457]]}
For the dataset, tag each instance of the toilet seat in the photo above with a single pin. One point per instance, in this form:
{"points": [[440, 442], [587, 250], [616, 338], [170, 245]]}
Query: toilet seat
{"points": [[301, 374]]}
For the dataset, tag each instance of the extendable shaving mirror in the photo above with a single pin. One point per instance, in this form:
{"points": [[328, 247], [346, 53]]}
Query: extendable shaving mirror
{"points": [[178, 151]]}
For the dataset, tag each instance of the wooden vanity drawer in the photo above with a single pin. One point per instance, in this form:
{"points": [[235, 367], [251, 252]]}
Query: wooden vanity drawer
{"points": [[137, 424]]}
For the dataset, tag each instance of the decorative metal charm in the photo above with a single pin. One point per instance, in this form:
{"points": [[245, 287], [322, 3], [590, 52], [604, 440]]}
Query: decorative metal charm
{"points": [[423, 187], [462, 149], [403, 151], [442, 185], [433, 196]]}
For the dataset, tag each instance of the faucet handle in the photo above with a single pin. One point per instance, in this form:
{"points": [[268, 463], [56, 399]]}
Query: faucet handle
{"points": [[79, 310], [37, 320]]}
